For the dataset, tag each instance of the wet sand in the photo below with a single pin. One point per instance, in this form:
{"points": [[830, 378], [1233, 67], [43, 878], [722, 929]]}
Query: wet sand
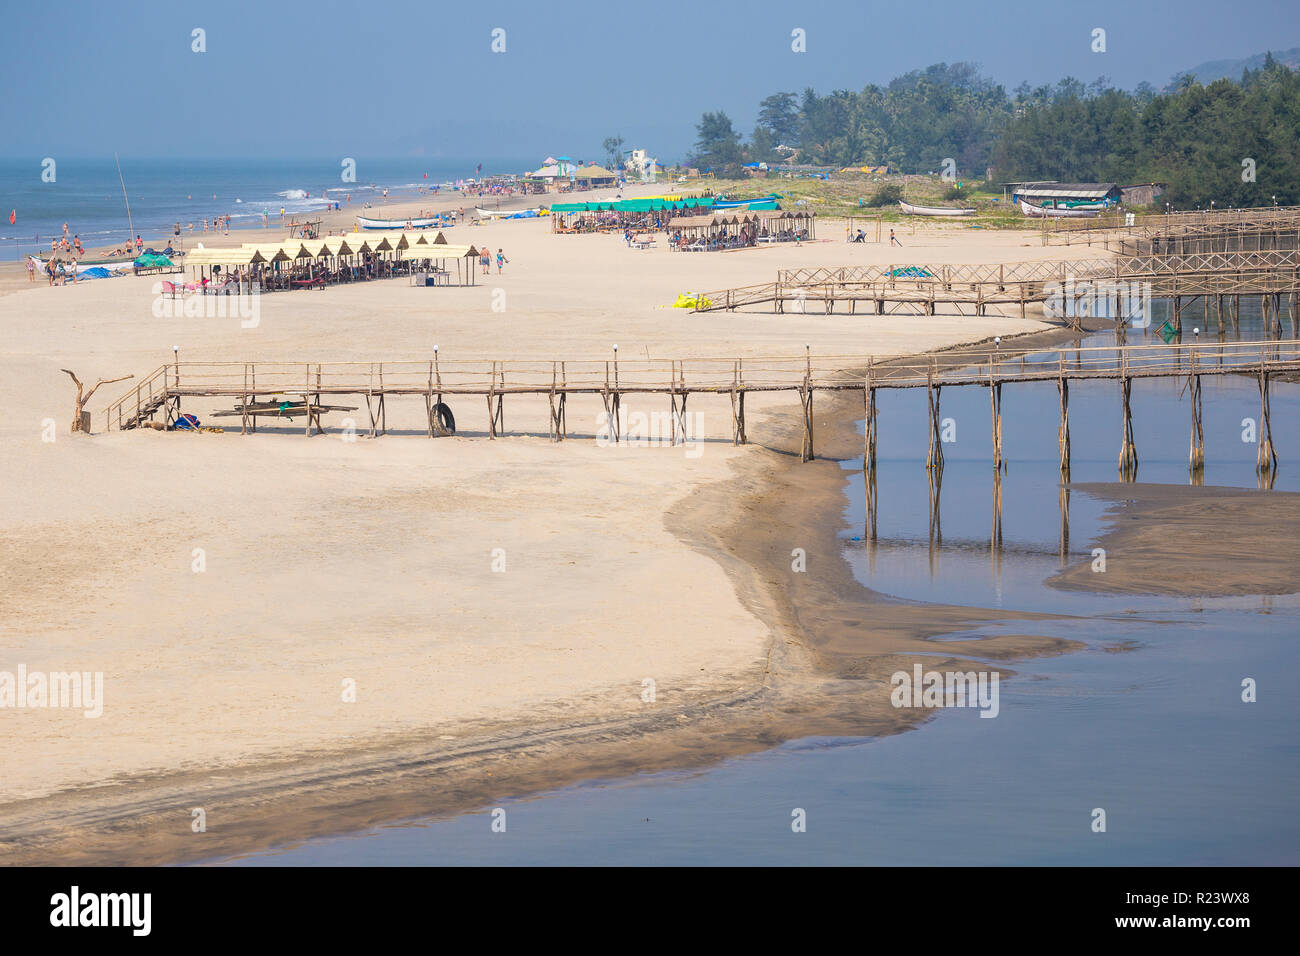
{"points": [[1192, 541]]}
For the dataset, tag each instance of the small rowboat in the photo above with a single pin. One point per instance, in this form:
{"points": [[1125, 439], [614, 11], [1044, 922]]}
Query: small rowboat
{"points": [[911, 210], [426, 222], [1043, 212]]}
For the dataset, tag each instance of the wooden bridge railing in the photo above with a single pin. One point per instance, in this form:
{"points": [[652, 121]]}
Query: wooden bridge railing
{"points": [[719, 375]]}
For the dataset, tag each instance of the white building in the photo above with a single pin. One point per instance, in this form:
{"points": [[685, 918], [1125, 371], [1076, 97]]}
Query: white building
{"points": [[640, 165]]}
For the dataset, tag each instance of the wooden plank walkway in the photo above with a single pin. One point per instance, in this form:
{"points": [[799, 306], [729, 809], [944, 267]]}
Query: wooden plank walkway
{"points": [[1112, 229], [305, 385], [892, 288]]}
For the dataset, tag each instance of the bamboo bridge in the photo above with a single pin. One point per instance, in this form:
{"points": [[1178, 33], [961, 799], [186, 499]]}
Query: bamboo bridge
{"points": [[1265, 227], [1219, 278], [269, 390]]}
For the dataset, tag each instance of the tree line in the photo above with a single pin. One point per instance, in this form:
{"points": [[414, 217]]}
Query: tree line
{"points": [[1233, 143]]}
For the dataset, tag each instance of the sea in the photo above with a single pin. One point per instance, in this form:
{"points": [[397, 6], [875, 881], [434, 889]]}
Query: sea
{"points": [[1146, 731], [87, 193]]}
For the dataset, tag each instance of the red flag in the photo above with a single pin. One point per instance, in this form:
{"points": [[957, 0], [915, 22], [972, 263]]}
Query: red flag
{"points": [[13, 216], [426, 175]]}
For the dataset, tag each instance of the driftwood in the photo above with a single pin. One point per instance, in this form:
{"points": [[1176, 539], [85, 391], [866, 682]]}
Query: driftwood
{"points": [[81, 419]]}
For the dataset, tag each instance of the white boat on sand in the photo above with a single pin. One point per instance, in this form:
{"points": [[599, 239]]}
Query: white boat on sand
{"points": [[912, 210], [425, 222], [1043, 212]]}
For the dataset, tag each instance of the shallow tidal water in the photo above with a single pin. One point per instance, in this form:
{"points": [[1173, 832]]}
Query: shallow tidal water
{"points": [[1146, 723]]}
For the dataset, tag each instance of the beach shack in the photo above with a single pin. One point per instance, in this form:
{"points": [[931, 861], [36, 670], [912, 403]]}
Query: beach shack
{"points": [[594, 177], [1065, 195], [647, 214]]}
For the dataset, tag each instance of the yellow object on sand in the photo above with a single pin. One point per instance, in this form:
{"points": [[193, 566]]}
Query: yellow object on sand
{"points": [[685, 301]]}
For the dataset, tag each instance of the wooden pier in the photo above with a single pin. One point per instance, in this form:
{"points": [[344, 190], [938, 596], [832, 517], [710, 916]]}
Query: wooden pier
{"points": [[261, 389], [1218, 279]]}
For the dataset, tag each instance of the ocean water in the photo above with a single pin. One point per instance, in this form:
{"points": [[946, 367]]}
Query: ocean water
{"points": [[1147, 723], [87, 194]]}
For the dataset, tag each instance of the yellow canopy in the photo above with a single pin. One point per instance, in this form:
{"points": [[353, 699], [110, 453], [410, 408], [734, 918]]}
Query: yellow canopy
{"points": [[439, 250], [220, 257]]}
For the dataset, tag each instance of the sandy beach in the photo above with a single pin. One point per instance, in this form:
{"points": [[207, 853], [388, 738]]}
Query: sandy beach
{"points": [[497, 609]]}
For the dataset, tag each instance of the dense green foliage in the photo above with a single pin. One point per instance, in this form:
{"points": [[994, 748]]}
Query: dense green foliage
{"points": [[887, 195], [1195, 138]]}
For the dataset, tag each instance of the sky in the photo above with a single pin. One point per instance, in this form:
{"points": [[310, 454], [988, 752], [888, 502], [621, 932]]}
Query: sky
{"points": [[402, 78]]}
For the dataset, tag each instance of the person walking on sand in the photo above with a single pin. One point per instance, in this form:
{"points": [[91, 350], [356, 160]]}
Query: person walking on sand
{"points": [[485, 260], [893, 239], [501, 260], [31, 269]]}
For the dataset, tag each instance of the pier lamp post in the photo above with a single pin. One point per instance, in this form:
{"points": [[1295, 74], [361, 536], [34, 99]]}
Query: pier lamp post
{"points": [[176, 363], [1196, 335]]}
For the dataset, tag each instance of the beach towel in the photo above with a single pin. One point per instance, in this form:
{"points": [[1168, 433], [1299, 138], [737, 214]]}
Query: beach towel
{"points": [[186, 423]]}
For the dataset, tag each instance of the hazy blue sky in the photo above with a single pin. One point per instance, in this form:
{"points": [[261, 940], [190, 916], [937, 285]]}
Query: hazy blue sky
{"points": [[396, 78]]}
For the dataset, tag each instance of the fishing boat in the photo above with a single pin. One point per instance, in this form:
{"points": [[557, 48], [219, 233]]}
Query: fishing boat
{"points": [[424, 222], [752, 203], [121, 264], [1043, 212], [911, 210], [509, 213]]}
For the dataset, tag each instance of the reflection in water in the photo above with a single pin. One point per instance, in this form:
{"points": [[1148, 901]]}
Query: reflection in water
{"points": [[936, 526]]}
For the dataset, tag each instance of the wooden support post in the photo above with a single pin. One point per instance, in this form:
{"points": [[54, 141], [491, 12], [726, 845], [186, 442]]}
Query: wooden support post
{"points": [[614, 405], [1063, 430], [806, 399], [995, 537], [740, 410], [869, 438], [735, 390], [1266, 462], [243, 414], [934, 458], [1196, 449], [553, 425], [431, 419], [306, 401], [806, 396], [501, 398], [492, 418], [1128, 459], [564, 394], [1063, 542], [995, 402]]}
